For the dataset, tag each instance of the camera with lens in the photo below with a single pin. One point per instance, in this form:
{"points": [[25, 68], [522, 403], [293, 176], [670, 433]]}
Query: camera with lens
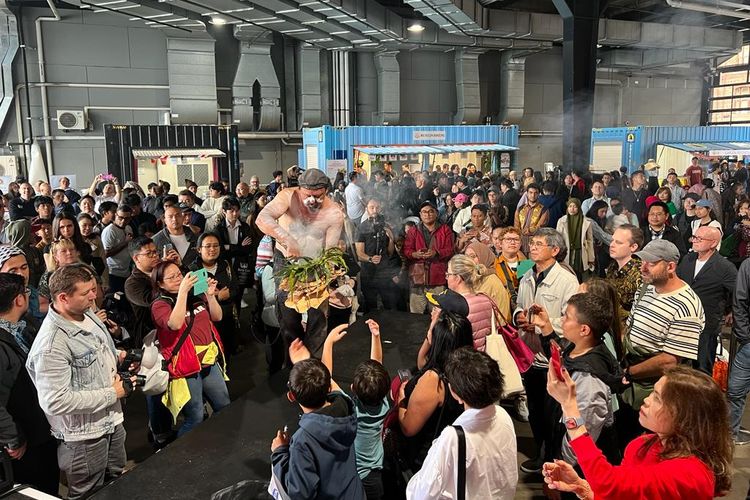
{"points": [[131, 356], [378, 223]]}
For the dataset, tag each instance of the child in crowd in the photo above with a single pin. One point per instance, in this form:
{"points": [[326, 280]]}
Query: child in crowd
{"points": [[318, 461], [370, 388], [589, 362]]}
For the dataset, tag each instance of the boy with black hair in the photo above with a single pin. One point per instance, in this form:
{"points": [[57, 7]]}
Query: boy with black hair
{"points": [[591, 365], [370, 387], [107, 211], [318, 461], [476, 383]]}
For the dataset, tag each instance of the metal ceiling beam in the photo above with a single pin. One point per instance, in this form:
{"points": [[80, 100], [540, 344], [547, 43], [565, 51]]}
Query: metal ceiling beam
{"points": [[307, 10], [131, 14]]}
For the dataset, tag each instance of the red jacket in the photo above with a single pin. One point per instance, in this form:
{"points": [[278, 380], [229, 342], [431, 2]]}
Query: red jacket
{"points": [[442, 243], [648, 477], [186, 362]]}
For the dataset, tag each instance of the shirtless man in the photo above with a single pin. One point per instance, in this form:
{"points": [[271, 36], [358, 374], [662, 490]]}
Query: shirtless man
{"points": [[304, 221]]}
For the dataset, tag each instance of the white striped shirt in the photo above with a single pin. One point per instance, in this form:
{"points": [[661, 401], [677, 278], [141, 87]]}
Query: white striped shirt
{"points": [[668, 322]]}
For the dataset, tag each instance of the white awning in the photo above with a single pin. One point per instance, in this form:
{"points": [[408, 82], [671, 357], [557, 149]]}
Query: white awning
{"points": [[181, 152]]}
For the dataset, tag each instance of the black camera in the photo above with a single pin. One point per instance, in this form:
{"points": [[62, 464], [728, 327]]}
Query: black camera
{"points": [[378, 223], [131, 356]]}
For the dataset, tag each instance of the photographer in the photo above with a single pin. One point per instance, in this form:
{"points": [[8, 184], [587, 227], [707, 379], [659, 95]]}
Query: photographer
{"points": [[73, 364], [375, 250]]}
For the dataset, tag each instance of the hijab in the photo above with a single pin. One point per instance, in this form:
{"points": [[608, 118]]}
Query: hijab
{"points": [[575, 225], [485, 255]]}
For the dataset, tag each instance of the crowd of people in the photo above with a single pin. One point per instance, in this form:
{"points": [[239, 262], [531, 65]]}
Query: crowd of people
{"points": [[628, 279]]}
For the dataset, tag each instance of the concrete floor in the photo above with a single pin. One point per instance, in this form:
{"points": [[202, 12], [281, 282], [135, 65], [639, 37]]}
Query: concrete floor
{"points": [[248, 369]]}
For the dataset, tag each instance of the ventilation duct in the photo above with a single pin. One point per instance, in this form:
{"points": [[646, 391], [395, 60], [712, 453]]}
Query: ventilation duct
{"points": [[308, 84], [389, 96], [8, 49], [468, 109], [192, 81], [256, 93], [512, 79]]}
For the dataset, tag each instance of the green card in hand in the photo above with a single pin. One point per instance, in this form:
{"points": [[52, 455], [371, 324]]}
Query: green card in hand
{"points": [[524, 266], [201, 286]]}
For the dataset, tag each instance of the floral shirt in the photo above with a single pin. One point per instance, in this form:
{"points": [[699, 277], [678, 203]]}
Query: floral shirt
{"points": [[626, 281]]}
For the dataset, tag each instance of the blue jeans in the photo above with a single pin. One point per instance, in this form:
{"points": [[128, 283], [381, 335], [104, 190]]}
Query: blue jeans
{"points": [[209, 383], [739, 386], [159, 418]]}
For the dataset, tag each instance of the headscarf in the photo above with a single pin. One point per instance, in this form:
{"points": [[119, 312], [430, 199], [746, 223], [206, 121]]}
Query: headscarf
{"points": [[18, 232], [575, 225], [7, 252], [485, 255]]}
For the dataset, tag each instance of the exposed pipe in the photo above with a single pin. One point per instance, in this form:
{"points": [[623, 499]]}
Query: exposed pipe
{"points": [[43, 79], [679, 4], [19, 121], [251, 136]]}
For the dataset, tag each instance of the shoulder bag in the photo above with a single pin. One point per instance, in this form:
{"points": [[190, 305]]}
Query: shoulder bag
{"points": [[497, 349], [521, 353], [638, 390], [461, 465]]}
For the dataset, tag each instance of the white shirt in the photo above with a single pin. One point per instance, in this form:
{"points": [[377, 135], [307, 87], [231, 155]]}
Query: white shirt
{"points": [[233, 232], [699, 265], [181, 243], [491, 469], [355, 201]]}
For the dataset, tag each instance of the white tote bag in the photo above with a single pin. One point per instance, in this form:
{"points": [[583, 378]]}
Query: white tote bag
{"points": [[497, 350], [157, 378]]}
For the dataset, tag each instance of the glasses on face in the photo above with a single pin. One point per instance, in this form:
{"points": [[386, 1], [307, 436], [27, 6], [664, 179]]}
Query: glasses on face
{"points": [[172, 277], [538, 244], [149, 253], [214, 246], [512, 240], [426, 212], [699, 239], [450, 274]]}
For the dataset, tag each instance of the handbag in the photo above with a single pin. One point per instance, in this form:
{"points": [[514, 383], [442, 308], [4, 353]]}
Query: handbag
{"points": [[244, 271], [721, 369], [461, 465], [497, 349], [157, 379], [519, 351], [419, 272]]}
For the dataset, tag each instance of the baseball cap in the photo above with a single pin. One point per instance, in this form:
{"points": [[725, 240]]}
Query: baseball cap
{"points": [[703, 203], [461, 178], [427, 203], [314, 179], [449, 301], [657, 250], [184, 207]]}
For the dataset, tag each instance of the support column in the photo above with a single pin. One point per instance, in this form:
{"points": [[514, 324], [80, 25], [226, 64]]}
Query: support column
{"points": [[580, 36]]}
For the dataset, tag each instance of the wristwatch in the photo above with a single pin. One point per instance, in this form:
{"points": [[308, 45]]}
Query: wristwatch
{"points": [[573, 422], [369, 259]]}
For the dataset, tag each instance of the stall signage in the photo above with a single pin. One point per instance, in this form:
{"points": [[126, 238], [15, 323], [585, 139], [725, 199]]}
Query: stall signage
{"points": [[428, 135], [631, 137]]}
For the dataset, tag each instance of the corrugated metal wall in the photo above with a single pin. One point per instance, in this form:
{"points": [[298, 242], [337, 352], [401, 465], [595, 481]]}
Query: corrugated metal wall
{"points": [[333, 143]]}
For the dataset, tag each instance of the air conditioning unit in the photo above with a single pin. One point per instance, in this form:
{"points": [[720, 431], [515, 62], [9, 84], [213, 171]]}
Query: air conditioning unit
{"points": [[71, 119]]}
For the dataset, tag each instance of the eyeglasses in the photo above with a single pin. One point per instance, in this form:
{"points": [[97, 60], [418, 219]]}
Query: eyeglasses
{"points": [[512, 240], [171, 277], [150, 253], [450, 274], [537, 244], [211, 246], [699, 239]]}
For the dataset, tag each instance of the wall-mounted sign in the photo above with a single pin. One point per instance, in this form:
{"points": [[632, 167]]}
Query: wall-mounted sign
{"points": [[428, 135], [630, 138], [334, 166]]}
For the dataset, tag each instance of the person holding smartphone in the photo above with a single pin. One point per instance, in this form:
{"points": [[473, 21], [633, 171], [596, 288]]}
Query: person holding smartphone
{"points": [[197, 365], [598, 376]]}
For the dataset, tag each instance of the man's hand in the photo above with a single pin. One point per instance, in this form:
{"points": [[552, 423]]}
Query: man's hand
{"points": [[114, 329], [292, 248], [247, 241], [16, 453], [729, 319], [428, 254], [298, 351], [376, 259], [102, 315], [120, 391], [281, 439], [212, 287], [173, 256], [337, 334]]}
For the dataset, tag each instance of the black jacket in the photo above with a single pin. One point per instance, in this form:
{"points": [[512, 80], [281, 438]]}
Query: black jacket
{"points": [[741, 305], [139, 292], [21, 418], [510, 200], [714, 285], [670, 234]]}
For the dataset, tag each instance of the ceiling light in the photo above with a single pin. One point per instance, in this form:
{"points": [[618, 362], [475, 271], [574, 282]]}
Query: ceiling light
{"points": [[218, 21], [416, 27]]}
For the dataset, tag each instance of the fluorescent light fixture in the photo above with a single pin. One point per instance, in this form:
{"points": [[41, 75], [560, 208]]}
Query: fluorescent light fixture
{"points": [[218, 21], [416, 27]]}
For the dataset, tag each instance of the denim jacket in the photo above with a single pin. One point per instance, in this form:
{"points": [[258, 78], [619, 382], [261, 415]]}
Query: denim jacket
{"points": [[73, 371]]}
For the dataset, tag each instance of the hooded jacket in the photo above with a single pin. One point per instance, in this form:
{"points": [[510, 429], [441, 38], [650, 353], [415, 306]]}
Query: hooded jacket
{"points": [[319, 462]]}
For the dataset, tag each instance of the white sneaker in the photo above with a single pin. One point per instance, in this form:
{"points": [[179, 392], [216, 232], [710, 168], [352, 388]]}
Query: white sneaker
{"points": [[522, 409]]}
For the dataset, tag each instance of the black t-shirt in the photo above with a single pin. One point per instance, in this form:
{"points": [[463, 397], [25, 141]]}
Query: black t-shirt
{"points": [[338, 407], [376, 242]]}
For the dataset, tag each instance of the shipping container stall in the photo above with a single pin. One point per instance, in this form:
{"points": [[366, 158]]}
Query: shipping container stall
{"points": [[668, 147], [332, 149]]}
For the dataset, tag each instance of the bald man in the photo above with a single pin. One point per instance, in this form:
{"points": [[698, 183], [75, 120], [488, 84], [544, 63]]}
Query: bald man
{"points": [[713, 279]]}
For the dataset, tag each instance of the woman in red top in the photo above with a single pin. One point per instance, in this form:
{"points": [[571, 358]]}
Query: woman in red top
{"points": [[688, 454], [197, 368]]}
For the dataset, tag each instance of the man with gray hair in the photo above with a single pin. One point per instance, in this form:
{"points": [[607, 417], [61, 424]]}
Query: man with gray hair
{"points": [[544, 289], [712, 277], [663, 330]]}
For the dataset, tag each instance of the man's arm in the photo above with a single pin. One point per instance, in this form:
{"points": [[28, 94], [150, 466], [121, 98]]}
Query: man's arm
{"points": [[56, 397], [267, 220], [654, 366], [111, 245], [434, 476], [297, 471], [137, 294], [333, 233]]}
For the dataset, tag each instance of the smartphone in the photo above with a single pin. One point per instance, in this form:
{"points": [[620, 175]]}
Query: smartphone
{"points": [[202, 285], [556, 359], [167, 248]]}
